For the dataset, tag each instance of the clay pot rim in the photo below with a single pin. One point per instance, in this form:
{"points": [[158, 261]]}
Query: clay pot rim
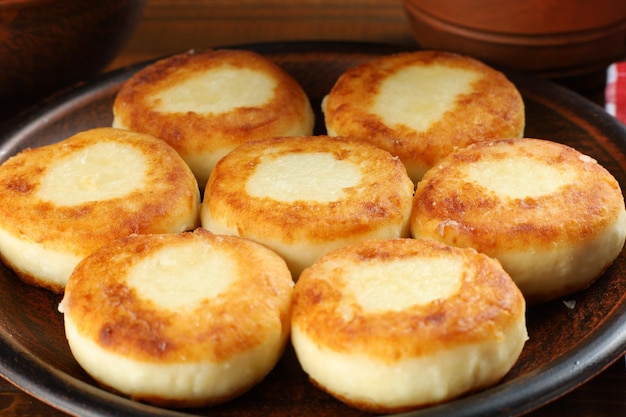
{"points": [[513, 38], [493, 16]]}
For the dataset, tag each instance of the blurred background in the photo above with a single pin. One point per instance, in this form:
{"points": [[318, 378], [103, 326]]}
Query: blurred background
{"points": [[559, 39], [175, 25], [46, 45]]}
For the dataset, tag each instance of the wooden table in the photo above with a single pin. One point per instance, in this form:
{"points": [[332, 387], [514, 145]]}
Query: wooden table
{"points": [[171, 26]]}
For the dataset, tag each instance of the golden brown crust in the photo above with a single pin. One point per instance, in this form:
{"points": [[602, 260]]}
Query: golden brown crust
{"points": [[490, 222], [190, 132], [486, 302], [492, 110], [87, 226], [167, 201], [378, 201], [555, 222], [105, 309]]}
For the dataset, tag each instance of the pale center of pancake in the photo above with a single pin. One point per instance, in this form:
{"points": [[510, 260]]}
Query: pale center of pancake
{"points": [[317, 176], [216, 91], [182, 276], [518, 177], [399, 284], [101, 171], [419, 96]]}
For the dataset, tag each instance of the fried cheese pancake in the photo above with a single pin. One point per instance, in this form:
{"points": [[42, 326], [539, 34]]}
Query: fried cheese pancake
{"points": [[60, 202], [303, 196], [423, 105], [391, 325], [551, 215], [179, 320], [205, 103]]}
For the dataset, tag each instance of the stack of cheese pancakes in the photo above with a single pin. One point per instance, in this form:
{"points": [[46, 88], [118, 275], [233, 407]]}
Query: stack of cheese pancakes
{"points": [[399, 251]]}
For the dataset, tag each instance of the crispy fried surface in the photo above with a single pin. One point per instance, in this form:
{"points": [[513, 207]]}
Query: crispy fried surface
{"points": [[58, 209], [400, 354], [485, 300], [308, 209], [119, 317], [486, 106], [202, 135], [532, 197], [205, 329]]}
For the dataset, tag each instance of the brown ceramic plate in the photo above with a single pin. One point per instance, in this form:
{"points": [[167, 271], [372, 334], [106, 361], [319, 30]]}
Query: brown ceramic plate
{"points": [[567, 346]]}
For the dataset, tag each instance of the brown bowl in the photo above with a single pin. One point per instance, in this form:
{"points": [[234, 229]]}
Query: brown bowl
{"points": [[46, 45], [552, 38]]}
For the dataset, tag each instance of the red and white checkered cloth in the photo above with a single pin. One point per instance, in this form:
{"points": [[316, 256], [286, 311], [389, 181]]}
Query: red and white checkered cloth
{"points": [[615, 91]]}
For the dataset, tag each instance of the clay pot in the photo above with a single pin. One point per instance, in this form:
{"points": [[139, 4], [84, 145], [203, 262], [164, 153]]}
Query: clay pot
{"points": [[552, 38], [46, 45]]}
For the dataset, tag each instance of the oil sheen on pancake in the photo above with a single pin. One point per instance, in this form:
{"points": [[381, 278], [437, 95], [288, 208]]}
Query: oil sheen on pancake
{"points": [[397, 324], [303, 196], [60, 202], [205, 103], [179, 320], [551, 215], [423, 105]]}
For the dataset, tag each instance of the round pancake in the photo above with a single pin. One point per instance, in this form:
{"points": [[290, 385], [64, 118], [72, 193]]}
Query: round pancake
{"points": [[60, 202], [303, 196], [205, 103], [179, 320], [391, 325], [423, 105], [551, 215]]}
